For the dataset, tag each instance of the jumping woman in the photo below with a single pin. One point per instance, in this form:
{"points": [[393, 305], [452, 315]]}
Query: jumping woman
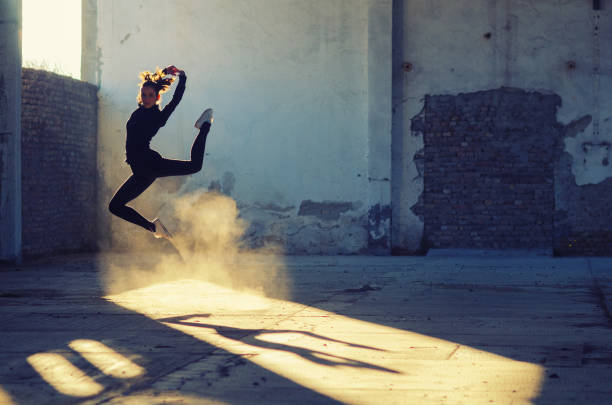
{"points": [[147, 164]]}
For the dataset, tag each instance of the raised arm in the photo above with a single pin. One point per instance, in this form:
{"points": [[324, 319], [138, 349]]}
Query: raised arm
{"points": [[176, 97]]}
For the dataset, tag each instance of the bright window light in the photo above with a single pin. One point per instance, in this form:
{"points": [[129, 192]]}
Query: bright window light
{"points": [[51, 36]]}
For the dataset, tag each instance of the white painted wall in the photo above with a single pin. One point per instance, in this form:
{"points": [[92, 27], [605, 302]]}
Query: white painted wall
{"points": [[290, 85], [530, 46], [301, 91]]}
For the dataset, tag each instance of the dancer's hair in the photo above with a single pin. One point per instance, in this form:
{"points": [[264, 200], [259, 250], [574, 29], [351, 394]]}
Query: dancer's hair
{"points": [[156, 80]]}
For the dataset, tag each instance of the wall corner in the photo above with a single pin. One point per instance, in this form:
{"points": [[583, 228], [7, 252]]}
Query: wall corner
{"points": [[379, 124]]}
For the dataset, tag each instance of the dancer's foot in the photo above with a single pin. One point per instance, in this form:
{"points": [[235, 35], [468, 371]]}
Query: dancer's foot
{"points": [[160, 230], [207, 116]]}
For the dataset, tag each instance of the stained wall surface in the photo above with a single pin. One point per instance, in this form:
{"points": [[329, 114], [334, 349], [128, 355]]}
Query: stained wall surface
{"points": [[460, 49], [302, 98], [316, 101]]}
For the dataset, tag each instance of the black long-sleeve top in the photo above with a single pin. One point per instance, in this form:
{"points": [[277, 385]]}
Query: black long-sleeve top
{"points": [[145, 122]]}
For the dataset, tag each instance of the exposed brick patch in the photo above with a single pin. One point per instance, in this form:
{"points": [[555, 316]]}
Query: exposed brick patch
{"points": [[59, 131], [489, 169]]}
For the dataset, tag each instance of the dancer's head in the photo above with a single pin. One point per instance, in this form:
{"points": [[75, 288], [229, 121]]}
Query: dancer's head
{"points": [[152, 85]]}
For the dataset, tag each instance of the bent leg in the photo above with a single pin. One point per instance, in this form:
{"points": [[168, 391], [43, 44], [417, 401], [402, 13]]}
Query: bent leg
{"points": [[132, 188], [169, 167]]}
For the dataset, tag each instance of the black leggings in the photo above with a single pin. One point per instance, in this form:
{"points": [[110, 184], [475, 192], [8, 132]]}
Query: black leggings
{"points": [[146, 170]]}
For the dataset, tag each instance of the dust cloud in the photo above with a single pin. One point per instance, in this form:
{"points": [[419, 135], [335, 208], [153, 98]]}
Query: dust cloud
{"points": [[207, 244]]}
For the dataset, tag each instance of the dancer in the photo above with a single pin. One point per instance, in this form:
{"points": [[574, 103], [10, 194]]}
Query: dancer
{"points": [[147, 164]]}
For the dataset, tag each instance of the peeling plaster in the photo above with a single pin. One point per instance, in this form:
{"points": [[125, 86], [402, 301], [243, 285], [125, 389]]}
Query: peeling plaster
{"points": [[590, 155], [407, 178], [269, 183], [419, 163], [326, 210], [274, 207], [307, 234], [379, 221]]}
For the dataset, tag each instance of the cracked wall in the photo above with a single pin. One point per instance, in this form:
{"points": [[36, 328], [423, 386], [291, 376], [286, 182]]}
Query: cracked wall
{"points": [[326, 230], [590, 155], [299, 93], [301, 132], [583, 186], [498, 174], [546, 47]]}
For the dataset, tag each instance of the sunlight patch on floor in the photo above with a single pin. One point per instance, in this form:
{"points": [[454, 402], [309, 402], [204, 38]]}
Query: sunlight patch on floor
{"points": [[5, 398], [106, 359], [63, 375], [335, 355]]}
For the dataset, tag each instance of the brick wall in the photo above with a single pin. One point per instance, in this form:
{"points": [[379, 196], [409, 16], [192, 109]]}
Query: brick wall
{"points": [[496, 176], [489, 169], [59, 131]]}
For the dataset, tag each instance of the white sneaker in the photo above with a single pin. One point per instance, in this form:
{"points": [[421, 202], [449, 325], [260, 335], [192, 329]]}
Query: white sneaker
{"points": [[207, 116], [160, 230]]}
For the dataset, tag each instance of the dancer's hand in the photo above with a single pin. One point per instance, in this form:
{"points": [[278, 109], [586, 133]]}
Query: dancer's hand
{"points": [[173, 70]]}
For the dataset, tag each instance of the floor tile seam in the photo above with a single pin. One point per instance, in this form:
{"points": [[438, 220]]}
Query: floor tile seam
{"points": [[452, 315], [511, 392], [19, 353], [517, 395], [144, 383], [303, 307], [370, 318], [504, 284], [284, 318], [452, 353]]}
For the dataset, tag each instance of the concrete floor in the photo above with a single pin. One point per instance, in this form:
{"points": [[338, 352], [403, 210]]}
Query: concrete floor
{"points": [[112, 329]]}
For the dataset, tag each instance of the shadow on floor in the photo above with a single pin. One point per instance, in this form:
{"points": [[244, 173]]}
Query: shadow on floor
{"points": [[45, 313]]}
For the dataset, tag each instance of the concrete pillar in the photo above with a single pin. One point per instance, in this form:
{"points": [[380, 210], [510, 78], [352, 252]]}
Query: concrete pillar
{"points": [[379, 125], [90, 68], [10, 130]]}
